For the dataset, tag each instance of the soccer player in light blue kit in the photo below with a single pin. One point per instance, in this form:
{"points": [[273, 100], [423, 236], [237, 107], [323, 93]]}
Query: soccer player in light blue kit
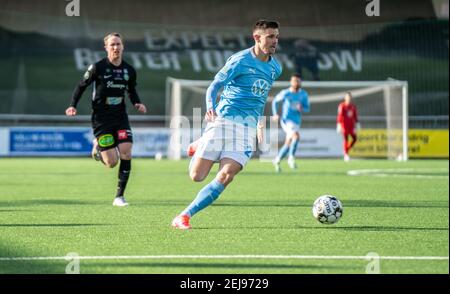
{"points": [[234, 122], [295, 101]]}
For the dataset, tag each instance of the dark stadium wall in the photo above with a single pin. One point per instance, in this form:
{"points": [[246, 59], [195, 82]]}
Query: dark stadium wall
{"points": [[43, 52], [231, 12]]}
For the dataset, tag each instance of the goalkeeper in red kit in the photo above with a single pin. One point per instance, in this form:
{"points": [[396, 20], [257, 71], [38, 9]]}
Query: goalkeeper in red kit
{"points": [[347, 123]]}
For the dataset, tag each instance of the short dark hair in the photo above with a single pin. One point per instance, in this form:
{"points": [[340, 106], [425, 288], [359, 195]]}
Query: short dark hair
{"points": [[266, 24], [296, 75]]}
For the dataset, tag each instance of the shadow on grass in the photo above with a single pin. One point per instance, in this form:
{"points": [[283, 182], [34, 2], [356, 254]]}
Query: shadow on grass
{"points": [[306, 203], [376, 228], [328, 227], [214, 265], [27, 266], [33, 202], [348, 203], [17, 210], [53, 225], [277, 203]]}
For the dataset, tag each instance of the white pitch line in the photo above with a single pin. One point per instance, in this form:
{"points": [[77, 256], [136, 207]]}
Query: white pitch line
{"points": [[72, 257]]}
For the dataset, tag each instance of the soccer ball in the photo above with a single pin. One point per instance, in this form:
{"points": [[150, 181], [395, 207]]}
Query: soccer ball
{"points": [[327, 209]]}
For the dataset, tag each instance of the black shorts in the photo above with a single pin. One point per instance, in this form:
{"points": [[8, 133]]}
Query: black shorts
{"points": [[109, 135]]}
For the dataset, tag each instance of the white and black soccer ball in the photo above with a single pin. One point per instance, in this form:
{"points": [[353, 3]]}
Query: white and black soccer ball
{"points": [[327, 209]]}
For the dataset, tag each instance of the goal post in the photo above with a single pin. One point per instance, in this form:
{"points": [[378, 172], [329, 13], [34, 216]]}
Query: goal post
{"points": [[382, 110]]}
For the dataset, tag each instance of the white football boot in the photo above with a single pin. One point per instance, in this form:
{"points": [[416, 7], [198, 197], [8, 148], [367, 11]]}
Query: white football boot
{"points": [[120, 201]]}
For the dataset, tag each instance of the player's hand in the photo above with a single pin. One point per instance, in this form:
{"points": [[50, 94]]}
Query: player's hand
{"points": [[276, 117], [210, 115], [71, 111], [260, 131], [140, 107], [299, 108], [338, 128], [260, 134]]}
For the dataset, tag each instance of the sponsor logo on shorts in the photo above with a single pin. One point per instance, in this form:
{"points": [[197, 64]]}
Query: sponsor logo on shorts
{"points": [[122, 134], [248, 151], [106, 140]]}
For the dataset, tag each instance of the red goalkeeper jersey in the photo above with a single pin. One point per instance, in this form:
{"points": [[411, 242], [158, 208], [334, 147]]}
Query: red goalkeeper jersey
{"points": [[347, 116]]}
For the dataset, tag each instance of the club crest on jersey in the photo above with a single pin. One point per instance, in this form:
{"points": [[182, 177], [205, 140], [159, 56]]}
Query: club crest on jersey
{"points": [[272, 73], [222, 75], [260, 88]]}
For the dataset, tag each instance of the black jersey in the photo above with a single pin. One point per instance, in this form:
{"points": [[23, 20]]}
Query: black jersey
{"points": [[110, 85]]}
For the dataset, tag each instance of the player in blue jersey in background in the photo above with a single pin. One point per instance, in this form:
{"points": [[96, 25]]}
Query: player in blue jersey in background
{"points": [[233, 122], [295, 101]]}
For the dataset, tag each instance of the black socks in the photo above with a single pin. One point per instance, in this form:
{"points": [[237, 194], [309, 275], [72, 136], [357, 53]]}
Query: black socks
{"points": [[124, 174]]}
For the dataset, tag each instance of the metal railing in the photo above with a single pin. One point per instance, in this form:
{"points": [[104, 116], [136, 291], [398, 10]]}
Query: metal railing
{"points": [[309, 121]]}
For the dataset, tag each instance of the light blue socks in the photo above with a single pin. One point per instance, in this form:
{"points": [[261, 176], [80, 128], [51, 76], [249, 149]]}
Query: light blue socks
{"points": [[283, 151], [293, 147], [205, 197]]}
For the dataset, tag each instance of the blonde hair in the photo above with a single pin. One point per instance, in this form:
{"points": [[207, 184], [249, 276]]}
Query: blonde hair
{"points": [[105, 39]]}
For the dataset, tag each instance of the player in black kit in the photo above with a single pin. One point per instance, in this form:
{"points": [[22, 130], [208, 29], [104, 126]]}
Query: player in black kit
{"points": [[112, 78]]}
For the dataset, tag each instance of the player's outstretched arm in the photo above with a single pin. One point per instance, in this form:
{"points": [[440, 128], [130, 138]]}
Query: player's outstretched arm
{"points": [[278, 98], [305, 105], [133, 95], [226, 74], [88, 78]]}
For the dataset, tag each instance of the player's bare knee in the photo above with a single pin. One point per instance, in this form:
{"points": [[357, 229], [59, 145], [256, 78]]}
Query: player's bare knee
{"points": [[125, 156], [225, 177], [196, 176], [111, 163]]}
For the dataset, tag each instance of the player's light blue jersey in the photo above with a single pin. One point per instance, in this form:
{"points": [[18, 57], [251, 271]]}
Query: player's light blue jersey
{"points": [[247, 81], [291, 104]]}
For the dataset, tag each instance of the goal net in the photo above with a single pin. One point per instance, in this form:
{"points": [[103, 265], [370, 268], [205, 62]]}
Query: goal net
{"points": [[382, 111]]}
